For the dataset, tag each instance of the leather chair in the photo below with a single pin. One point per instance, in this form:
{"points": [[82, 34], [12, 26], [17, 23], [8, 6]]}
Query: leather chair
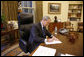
{"points": [[69, 26], [80, 26], [25, 22]]}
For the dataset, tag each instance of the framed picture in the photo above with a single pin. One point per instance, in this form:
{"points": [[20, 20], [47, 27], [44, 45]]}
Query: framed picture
{"points": [[54, 8]]}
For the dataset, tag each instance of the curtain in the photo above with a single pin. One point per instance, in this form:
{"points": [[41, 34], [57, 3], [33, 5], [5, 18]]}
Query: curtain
{"points": [[39, 11], [10, 9]]}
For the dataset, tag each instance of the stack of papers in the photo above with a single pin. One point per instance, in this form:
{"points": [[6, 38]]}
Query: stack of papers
{"points": [[54, 42], [44, 51]]}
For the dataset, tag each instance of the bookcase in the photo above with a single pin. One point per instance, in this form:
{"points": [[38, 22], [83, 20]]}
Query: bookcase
{"points": [[74, 12]]}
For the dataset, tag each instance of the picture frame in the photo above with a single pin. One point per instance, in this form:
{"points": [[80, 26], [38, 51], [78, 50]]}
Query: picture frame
{"points": [[54, 8]]}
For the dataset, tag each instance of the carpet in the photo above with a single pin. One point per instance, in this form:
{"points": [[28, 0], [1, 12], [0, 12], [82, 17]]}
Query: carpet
{"points": [[14, 51]]}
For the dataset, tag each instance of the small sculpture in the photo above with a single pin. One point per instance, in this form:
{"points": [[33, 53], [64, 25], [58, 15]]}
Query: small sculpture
{"points": [[55, 19]]}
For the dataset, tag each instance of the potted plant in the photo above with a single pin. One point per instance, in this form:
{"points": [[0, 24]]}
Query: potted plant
{"points": [[3, 22]]}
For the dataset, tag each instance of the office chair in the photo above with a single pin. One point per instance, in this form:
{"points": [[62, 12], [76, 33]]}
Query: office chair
{"points": [[25, 22]]}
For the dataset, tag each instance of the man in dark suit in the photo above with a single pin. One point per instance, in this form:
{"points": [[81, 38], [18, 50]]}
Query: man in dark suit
{"points": [[39, 32]]}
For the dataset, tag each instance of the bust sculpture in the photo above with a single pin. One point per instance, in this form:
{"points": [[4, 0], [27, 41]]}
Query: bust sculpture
{"points": [[55, 19]]}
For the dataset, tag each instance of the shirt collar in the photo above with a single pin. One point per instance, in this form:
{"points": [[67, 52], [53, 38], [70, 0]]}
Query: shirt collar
{"points": [[41, 25]]}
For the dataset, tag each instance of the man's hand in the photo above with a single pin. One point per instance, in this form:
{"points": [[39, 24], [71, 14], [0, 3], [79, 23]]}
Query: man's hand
{"points": [[54, 38], [49, 40]]}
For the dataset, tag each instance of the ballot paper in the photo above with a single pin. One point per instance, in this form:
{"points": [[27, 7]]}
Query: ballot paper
{"points": [[54, 42], [44, 51]]}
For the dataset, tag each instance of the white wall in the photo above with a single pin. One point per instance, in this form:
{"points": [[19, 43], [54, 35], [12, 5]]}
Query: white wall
{"points": [[82, 15], [64, 10]]}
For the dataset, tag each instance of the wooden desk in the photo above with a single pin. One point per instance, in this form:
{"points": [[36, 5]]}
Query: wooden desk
{"points": [[66, 46]]}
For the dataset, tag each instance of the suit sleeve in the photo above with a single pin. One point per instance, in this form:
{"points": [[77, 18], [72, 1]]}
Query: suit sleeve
{"points": [[48, 33], [35, 33]]}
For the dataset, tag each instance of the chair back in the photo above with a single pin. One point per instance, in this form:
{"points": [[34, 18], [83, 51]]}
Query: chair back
{"points": [[25, 24]]}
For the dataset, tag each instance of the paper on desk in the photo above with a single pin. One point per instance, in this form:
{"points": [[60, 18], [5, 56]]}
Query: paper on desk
{"points": [[69, 55], [66, 55], [44, 51], [54, 42]]}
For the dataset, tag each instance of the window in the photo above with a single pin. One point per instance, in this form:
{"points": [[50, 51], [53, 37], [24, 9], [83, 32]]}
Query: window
{"points": [[26, 7]]}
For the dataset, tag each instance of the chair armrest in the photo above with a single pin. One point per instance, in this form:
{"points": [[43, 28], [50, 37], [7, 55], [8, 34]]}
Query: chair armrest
{"points": [[23, 45], [23, 41]]}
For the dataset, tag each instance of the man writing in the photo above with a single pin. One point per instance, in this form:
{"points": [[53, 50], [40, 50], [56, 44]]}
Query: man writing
{"points": [[39, 32]]}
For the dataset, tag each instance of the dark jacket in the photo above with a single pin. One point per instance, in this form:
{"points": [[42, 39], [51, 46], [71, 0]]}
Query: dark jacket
{"points": [[36, 36]]}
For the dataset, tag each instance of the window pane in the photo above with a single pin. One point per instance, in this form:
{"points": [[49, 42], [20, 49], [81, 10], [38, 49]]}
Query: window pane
{"points": [[30, 3], [26, 10], [26, 3], [30, 11]]}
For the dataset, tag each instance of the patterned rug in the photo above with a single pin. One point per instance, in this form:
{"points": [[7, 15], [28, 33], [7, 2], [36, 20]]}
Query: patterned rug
{"points": [[14, 51]]}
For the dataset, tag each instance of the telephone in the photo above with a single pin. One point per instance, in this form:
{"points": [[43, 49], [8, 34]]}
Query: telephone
{"points": [[63, 31]]}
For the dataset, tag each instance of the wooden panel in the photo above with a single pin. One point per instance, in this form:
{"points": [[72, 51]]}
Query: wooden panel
{"points": [[51, 26]]}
